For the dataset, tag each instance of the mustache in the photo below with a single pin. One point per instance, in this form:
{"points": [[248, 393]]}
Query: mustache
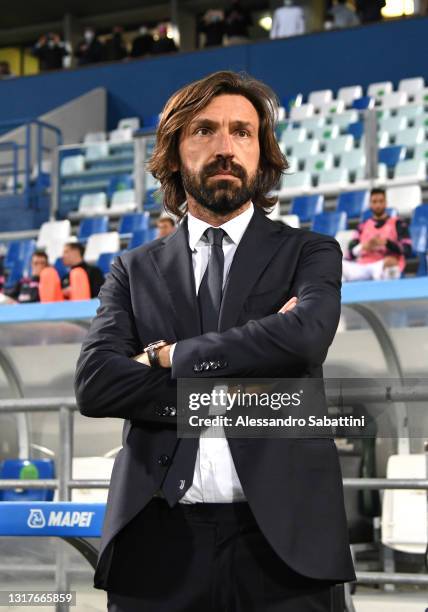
{"points": [[220, 166]]}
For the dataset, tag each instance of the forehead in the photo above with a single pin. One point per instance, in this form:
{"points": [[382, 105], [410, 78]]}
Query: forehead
{"points": [[376, 196], [233, 107]]}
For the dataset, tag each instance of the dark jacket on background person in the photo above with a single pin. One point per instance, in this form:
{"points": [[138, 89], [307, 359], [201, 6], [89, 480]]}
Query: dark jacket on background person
{"points": [[95, 277], [142, 45], [50, 56]]}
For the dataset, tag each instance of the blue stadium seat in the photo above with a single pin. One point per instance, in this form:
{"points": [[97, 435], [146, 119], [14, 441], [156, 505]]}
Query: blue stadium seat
{"points": [[27, 469], [60, 267], [16, 272], [19, 250], [419, 237], [390, 156], [367, 214], [119, 183], [134, 221], [305, 207], [356, 129], [353, 203], [363, 103], [420, 214], [140, 237], [92, 225], [105, 260], [329, 223]]}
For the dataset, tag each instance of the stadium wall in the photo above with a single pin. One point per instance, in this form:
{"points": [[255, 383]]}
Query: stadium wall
{"points": [[386, 51]]}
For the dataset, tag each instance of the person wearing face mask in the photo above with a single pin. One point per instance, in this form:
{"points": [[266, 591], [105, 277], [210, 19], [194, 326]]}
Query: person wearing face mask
{"points": [[50, 51], [142, 44], [89, 50]]}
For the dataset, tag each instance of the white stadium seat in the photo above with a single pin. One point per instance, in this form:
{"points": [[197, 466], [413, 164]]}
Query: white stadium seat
{"points": [[291, 220], [321, 97], [97, 150], [293, 184], [52, 237], [379, 90], [326, 132], [404, 198], [318, 163], [335, 107], [123, 135], [411, 86], [312, 123], [344, 237], [353, 160], [291, 137], [410, 137], [339, 145], [394, 99], [94, 137], [108, 242], [301, 150], [345, 118], [421, 96], [392, 124], [349, 94], [301, 112], [74, 164], [410, 171], [93, 203], [411, 111], [132, 123], [123, 201], [334, 179]]}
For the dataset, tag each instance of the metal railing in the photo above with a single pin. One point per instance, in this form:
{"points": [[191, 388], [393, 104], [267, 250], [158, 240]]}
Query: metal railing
{"points": [[66, 406]]}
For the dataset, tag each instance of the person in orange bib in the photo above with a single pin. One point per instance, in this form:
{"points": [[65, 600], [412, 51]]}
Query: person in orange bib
{"points": [[84, 281]]}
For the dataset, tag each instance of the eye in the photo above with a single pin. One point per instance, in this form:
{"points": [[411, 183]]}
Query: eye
{"points": [[202, 131], [243, 133]]}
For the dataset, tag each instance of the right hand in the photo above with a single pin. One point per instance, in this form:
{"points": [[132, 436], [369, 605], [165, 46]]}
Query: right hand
{"points": [[292, 302]]}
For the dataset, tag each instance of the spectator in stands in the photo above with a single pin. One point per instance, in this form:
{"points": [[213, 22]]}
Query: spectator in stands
{"points": [[238, 20], [142, 44], [115, 47], [50, 51], [213, 26], [5, 72], [89, 50], [83, 281], [288, 20], [343, 16], [163, 44], [370, 10], [165, 226], [381, 245], [42, 286]]}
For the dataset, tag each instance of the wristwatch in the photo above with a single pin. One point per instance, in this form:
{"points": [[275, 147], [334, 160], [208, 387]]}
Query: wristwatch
{"points": [[152, 351]]}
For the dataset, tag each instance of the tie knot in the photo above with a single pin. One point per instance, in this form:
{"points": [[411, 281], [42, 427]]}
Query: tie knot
{"points": [[215, 236]]}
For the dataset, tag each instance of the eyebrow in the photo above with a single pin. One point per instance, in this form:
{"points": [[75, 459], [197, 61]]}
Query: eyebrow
{"points": [[209, 123]]}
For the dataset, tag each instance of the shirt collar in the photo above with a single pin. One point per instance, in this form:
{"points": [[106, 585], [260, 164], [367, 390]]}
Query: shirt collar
{"points": [[234, 228]]}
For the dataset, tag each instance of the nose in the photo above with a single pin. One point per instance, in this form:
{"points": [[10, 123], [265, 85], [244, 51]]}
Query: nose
{"points": [[225, 145]]}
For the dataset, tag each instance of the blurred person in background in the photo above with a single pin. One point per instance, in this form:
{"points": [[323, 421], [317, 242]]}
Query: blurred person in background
{"points": [[165, 227], [115, 47], [50, 51], [213, 26], [163, 44], [370, 10], [5, 72], [43, 285], [237, 21], [89, 50], [142, 44], [343, 16], [84, 281], [288, 20], [381, 245]]}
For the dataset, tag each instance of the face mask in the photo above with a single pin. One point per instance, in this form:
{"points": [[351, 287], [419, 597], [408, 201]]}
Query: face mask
{"points": [[89, 36]]}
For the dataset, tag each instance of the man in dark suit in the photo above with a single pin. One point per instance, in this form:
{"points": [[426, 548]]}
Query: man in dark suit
{"points": [[219, 524]]}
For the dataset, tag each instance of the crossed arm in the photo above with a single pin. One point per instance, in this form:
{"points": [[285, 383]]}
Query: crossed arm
{"points": [[109, 382]]}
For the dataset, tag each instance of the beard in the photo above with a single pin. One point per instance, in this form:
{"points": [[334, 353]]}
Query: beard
{"points": [[220, 196]]}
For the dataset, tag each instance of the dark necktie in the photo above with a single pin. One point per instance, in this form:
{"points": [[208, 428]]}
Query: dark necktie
{"points": [[180, 475]]}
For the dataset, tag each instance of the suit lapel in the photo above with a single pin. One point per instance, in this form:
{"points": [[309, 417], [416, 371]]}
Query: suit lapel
{"points": [[173, 258], [258, 245]]}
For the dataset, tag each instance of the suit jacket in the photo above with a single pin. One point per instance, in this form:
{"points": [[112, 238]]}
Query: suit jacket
{"points": [[293, 486]]}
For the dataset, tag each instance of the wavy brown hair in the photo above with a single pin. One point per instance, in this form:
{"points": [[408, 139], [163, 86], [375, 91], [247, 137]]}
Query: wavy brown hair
{"points": [[182, 107]]}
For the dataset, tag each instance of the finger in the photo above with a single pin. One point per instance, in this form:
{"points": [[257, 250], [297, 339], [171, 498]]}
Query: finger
{"points": [[289, 305]]}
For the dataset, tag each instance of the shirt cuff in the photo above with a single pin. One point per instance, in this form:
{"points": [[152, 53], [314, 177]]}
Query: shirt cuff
{"points": [[171, 351]]}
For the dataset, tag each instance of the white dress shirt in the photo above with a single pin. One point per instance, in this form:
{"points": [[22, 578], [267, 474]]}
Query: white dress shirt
{"points": [[215, 479], [287, 21]]}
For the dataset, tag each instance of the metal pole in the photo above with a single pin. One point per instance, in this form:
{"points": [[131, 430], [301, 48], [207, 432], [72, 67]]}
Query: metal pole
{"points": [[370, 143]]}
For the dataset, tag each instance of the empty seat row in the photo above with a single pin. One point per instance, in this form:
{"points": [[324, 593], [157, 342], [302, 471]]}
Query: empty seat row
{"points": [[121, 201]]}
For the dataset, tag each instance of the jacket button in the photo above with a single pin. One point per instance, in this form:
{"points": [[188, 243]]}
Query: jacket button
{"points": [[164, 460], [213, 365], [197, 367], [205, 365]]}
